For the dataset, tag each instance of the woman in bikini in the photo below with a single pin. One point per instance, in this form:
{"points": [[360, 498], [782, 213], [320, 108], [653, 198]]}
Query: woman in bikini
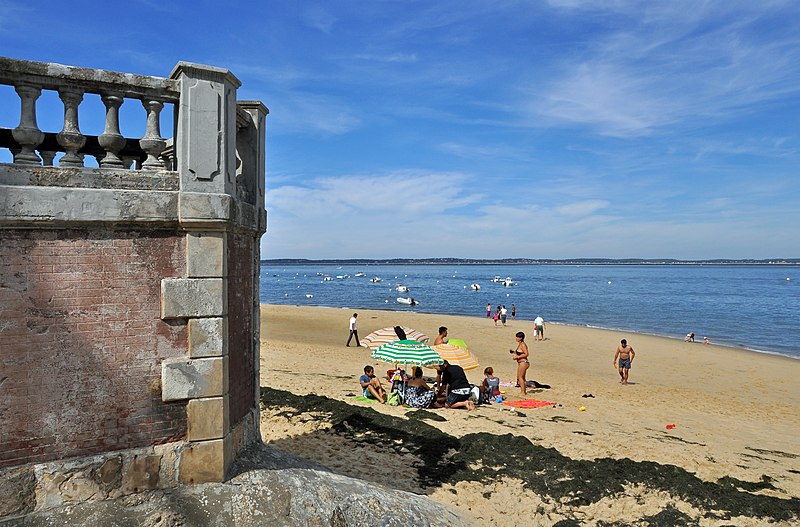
{"points": [[521, 356]]}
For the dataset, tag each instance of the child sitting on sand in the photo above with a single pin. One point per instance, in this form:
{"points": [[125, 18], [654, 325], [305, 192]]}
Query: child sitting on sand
{"points": [[490, 387], [372, 385]]}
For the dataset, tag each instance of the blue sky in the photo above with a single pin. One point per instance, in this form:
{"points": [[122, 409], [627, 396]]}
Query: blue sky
{"points": [[541, 129]]}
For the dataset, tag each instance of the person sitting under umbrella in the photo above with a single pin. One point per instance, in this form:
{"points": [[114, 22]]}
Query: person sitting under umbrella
{"points": [[418, 394], [458, 387], [372, 385]]}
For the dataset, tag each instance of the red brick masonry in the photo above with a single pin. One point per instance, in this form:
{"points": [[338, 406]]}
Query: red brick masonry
{"points": [[81, 342]]}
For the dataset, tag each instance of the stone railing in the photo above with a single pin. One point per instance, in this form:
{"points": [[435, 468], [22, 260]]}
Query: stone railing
{"points": [[32, 146], [181, 229]]}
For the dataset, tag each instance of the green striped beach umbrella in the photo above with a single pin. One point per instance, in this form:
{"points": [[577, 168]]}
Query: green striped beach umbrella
{"points": [[407, 352]]}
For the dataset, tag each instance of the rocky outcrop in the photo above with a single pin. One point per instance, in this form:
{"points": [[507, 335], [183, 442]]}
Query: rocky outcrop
{"points": [[270, 488]]}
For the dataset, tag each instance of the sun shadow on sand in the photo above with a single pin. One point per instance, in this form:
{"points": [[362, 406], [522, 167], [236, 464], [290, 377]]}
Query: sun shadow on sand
{"points": [[422, 459]]}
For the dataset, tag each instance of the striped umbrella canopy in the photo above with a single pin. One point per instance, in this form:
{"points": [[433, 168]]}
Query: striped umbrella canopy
{"points": [[457, 355], [407, 352], [386, 335]]}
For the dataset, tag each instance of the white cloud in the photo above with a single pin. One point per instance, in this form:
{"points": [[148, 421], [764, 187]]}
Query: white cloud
{"points": [[671, 63]]}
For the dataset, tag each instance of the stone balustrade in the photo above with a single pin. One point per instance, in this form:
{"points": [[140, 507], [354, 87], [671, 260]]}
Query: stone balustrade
{"points": [[32, 146], [111, 270]]}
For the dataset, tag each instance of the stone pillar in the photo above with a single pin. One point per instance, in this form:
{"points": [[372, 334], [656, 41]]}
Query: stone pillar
{"points": [[70, 137], [111, 139], [205, 135], [27, 134], [205, 153]]}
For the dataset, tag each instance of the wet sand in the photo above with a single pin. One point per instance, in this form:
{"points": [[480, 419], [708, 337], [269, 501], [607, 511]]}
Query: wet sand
{"points": [[732, 458]]}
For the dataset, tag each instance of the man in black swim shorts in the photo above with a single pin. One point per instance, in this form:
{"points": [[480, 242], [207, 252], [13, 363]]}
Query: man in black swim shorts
{"points": [[625, 354]]}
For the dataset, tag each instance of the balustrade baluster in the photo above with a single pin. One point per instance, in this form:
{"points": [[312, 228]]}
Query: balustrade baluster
{"points": [[27, 134], [70, 137], [152, 143], [47, 157], [111, 139]]}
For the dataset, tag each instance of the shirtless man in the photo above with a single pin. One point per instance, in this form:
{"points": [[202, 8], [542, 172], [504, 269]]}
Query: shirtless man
{"points": [[442, 338], [626, 355]]}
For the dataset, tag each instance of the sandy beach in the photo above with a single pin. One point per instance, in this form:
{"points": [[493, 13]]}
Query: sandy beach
{"points": [[731, 458]]}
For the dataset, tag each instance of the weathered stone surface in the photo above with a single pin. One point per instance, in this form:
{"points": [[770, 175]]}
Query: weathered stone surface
{"points": [[205, 255], [204, 209], [17, 491], [109, 475], [192, 378], [208, 418], [208, 337], [192, 297], [277, 490], [143, 473], [204, 462], [56, 205]]}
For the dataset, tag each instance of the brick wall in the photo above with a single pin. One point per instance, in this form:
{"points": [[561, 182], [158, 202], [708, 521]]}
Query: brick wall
{"points": [[241, 365], [81, 342]]}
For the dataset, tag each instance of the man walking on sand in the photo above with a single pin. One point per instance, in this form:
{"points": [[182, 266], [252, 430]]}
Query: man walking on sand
{"points": [[538, 325], [626, 355], [353, 331]]}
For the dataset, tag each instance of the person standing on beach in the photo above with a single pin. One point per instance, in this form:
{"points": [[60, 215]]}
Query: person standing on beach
{"points": [[489, 310], [521, 357], [538, 323], [353, 331], [513, 312], [625, 354], [503, 315]]}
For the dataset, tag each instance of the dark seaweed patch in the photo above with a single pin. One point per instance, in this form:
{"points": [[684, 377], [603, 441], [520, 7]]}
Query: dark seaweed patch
{"points": [[424, 414], [772, 452], [485, 457]]}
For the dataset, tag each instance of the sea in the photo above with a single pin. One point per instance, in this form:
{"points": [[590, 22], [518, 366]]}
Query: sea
{"points": [[751, 307]]}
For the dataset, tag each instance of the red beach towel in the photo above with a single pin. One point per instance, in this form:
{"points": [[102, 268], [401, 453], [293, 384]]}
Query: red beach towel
{"points": [[528, 403]]}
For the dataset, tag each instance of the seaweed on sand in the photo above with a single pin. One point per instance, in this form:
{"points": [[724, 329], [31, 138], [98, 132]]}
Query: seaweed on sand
{"points": [[545, 471]]}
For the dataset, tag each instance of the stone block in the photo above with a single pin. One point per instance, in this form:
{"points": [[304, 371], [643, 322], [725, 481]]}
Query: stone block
{"points": [[54, 205], [192, 297], [207, 418], [142, 473], [208, 337], [193, 378], [195, 208], [204, 462], [205, 255]]}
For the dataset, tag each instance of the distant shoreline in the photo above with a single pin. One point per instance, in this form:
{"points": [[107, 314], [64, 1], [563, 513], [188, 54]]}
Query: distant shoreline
{"points": [[778, 262]]}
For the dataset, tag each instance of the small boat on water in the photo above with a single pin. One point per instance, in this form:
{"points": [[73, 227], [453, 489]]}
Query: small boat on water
{"points": [[497, 279], [327, 278], [309, 295], [407, 301], [376, 280], [401, 288], [508, 282], [475, 287], [359, 274], [342, 276]]}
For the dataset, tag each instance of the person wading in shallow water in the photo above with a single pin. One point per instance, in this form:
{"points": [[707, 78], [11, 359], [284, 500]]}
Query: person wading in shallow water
{"points": [[626, 355]]}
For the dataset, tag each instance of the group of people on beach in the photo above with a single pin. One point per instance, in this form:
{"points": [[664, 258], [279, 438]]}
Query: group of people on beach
{"points": [[452, 389]]}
